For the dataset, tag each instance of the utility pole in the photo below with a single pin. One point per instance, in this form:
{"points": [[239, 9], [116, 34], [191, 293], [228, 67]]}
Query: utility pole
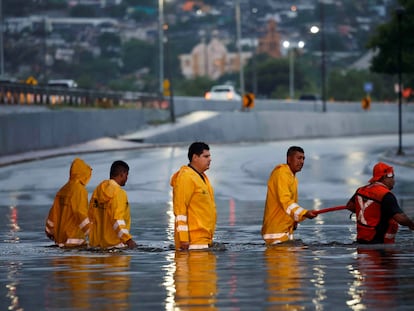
{"points": [[323, 60], [1, 40], [239, 47], [161, 45], [399, 12]]}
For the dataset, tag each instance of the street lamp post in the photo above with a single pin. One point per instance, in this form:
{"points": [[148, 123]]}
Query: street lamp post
{"points": [[161, 45], [323, 60], [291, 51], [1, 40], [169, 73], [399, 12], [239, 47]]}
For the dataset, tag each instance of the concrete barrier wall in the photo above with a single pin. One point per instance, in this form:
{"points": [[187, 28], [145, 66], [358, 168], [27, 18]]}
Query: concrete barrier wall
{"points": [[21, 132], [222, 127], [184, 105], [269, 120]]}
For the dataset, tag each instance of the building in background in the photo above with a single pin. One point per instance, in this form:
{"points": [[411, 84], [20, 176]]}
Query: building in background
{"points": [[270, 43], [211, 59]]}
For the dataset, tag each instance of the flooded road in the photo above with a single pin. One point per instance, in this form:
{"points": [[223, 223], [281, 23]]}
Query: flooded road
{"points": [[323, 270]]}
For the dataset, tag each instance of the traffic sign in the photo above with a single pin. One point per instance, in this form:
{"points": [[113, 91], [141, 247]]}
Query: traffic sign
{"points": [[368, 87], [31, 80], [248, 100]]}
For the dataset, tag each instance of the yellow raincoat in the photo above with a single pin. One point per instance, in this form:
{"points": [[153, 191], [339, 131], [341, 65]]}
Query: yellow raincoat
{"points": [[282, 212], [194, 208], [110, 216], [68, 222]]}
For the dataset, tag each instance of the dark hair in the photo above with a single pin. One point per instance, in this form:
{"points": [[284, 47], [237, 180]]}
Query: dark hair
{"points": [[197, 148], [293, 149], [117, 168]]}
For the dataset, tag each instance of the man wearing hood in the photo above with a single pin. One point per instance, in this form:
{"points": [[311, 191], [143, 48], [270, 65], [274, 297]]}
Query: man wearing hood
{"points": [[67, 223], [109, 211], [193, 201]]}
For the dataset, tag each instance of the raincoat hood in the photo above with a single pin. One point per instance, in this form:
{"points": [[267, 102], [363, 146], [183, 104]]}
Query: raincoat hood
{"points": [[81, 171], [174, 177], [107, 189]]}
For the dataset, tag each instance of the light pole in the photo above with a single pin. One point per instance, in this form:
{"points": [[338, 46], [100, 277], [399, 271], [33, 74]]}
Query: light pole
{"points": [[1, 40], [239, 47], [161, 45], [399, 12], [323, 60], [169, 73], [290, 46]]}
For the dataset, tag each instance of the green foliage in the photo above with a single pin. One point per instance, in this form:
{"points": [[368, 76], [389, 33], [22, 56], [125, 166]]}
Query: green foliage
{"points": [[386, 42], [194, 87], [101, 71], [110, 44], [349, 85], [82, 11], [273, 76], [137, 54]]}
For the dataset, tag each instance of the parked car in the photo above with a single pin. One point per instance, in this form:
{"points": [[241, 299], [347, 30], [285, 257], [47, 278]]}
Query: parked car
{"points": [[64, 83], [222, 92], [312, 97]]}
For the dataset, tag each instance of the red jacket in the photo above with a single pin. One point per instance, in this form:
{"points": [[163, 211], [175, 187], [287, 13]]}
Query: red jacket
{"points": [[368, 210]]}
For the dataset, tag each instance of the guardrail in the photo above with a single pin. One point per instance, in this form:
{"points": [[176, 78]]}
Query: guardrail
{"points": [[25, 94]]}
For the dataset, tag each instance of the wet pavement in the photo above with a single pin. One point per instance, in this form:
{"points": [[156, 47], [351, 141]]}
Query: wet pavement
{"points": [[111, 144]]}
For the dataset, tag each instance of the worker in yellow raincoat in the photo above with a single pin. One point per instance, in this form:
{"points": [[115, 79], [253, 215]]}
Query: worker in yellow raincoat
{"points": [[282, 211], [193, 201], [67, 223], [109, 211]]}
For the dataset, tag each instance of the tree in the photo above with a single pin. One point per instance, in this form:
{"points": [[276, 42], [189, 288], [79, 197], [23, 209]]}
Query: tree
{"points": [[109, 44], [340, 89], [386, 41], [135, 55]]}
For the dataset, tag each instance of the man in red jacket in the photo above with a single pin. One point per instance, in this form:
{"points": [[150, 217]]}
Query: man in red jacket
{"points": [[377, 210]]}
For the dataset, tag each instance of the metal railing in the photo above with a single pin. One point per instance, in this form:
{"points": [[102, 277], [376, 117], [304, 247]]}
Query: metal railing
{"points": [[26, 94]]}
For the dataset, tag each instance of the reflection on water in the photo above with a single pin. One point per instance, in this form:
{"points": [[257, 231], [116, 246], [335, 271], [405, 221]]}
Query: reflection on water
{"points": [[13, 267], [284, 277], [89, 282], [376, 284], [12, 285], [195, 280], [12, 236]]}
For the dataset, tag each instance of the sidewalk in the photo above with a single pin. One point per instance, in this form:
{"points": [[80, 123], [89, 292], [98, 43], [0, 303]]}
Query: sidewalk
{"points": [[406, 159]]}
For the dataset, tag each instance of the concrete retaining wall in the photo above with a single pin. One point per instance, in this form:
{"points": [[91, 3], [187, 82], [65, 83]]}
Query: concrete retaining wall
{"points": [[222, 127], [21, 132], [218, 122]]}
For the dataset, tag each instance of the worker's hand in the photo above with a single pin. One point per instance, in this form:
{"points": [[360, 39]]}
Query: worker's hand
{"points": [[310, 214], [184, 245], [131, 244]]}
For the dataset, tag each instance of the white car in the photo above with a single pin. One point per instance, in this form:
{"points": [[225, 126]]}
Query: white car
{"points": [[222, 92]]}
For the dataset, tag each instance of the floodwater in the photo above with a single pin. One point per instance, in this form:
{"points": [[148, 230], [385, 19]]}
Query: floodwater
{"points": [[322, 270]]}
